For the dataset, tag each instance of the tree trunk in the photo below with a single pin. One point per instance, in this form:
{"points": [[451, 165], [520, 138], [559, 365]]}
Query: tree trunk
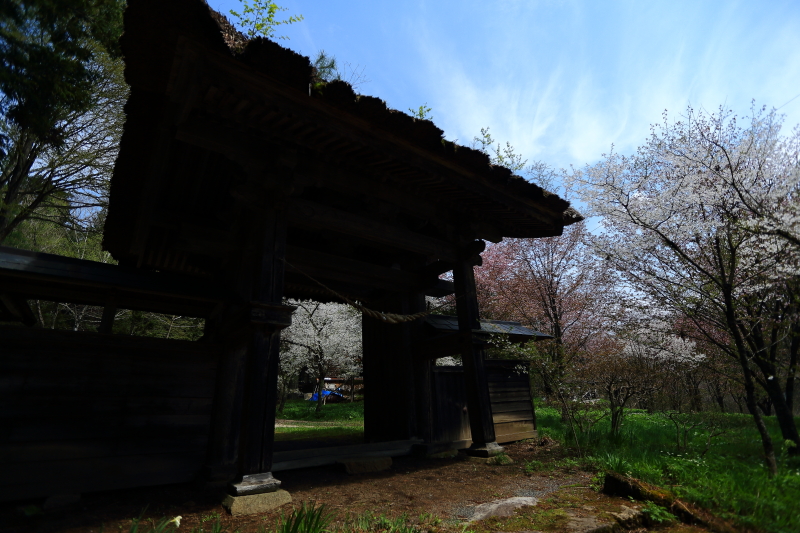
{"points": [[794, 353], [750, 400], [320, 390], [783, 415], [765, 404], [616, 418], [696, 400], [721, 402], [737, 398], [282, 395]]}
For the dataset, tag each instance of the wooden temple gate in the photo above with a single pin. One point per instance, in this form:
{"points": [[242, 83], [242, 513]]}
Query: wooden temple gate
{"points": [[239, 173]]}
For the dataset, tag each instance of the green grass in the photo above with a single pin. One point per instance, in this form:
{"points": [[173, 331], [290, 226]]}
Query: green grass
{"points": [[315, 432], [337, 420], [306, 519], [369, 522], [305, 410], [727, 477]]}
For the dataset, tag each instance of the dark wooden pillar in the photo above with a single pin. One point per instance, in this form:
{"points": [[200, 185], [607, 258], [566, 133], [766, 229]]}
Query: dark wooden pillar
{"points": [[261, 378], [244, 417], [389, 381], [423, 388], [422, 373], [472, 353], [226, 418]]}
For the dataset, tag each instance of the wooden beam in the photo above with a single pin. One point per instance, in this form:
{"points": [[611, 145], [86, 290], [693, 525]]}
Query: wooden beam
{"points": [[449, 344], [380, 186], [323, 266], [436, 269], [77, 293], [264, 99], [260, 91], [289, 460], [302, 288], [249, 149], [305, 213], [440, 289], [65, 273]]}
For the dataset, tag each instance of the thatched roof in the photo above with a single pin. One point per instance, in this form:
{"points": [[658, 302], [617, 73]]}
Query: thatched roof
{"points": [[206, 105]]}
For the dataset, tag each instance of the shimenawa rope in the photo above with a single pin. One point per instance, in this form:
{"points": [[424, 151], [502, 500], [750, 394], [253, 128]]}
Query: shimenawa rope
{"points": [[389, 318]]}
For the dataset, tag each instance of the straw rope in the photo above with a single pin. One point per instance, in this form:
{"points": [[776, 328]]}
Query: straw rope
{"points": [[389, 318]]}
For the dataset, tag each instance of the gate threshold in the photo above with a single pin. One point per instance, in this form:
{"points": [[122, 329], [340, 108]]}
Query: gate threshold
{"points": [[290, 460]]}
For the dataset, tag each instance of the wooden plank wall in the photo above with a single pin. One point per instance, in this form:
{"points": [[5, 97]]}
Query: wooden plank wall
{"points": [[82, 411], [450, 415], [510, 395]]}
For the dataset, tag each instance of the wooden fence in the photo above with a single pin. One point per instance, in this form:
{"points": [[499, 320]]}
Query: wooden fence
{"points": [[510, 394], [85, 412]]}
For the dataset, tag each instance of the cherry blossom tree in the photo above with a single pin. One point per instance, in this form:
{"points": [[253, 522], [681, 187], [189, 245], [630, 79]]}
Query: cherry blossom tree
{"points": [[554, 285], [325, 339], [699, 223]]}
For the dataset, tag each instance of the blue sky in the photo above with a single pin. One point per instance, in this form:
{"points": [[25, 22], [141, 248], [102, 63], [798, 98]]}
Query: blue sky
{"points": [[561, 80]]}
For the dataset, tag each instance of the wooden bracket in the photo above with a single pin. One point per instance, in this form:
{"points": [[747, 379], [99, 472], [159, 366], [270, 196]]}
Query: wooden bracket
{"points": [[275, 315], [449, 344]]}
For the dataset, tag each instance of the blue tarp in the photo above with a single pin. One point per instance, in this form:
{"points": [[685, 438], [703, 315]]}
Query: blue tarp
{"points": [[324, 393]]}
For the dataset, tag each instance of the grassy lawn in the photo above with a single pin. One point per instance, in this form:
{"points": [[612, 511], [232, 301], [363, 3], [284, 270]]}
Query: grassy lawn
{"points": [[336, 420], [317, 433], [726, 475], [334, 412]]}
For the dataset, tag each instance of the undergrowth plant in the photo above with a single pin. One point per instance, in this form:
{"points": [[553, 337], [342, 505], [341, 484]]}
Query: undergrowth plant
{"points": [[306, 519], [369, 522], [657, 514], [711, 459], [533, 466], [164, 525]]}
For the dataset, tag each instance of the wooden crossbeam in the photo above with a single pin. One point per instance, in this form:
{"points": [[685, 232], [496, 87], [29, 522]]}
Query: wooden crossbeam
{"points": [[307, 214], [448, 344], [34, 275], [259, 91]]}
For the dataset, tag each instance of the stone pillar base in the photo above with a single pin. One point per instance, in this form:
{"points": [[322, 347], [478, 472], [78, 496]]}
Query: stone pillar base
{"points": [[490, 449], [255, 484], [256, 503]]}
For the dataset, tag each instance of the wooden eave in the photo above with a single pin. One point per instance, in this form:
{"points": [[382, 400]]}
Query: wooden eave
{"points": [[212, 136], [217, 86]]}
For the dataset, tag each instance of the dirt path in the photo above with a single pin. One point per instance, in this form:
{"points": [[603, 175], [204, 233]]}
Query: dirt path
{"points": [[447, 489]]}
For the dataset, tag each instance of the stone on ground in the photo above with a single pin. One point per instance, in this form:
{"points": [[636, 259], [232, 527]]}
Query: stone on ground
{"points": [[586, 524], [255, 503], [501, 507], [628, 517]]}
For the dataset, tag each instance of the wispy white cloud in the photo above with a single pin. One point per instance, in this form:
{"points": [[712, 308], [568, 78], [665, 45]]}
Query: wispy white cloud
{"points": [[563, 80]]}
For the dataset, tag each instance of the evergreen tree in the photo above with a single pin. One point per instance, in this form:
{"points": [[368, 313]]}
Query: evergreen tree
{"points": [[55, 56]]}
